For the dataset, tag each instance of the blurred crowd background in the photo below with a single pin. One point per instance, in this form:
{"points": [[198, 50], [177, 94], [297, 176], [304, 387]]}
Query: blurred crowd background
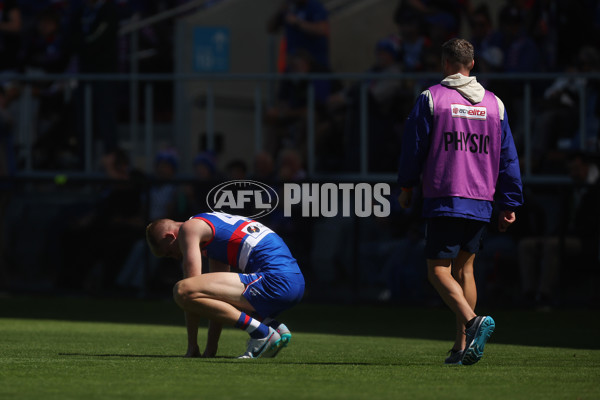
{"points": [[86, 235]]}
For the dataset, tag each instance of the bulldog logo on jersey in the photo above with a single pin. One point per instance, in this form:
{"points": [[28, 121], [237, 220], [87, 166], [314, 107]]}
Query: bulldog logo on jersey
{"points": [[253, 229]]}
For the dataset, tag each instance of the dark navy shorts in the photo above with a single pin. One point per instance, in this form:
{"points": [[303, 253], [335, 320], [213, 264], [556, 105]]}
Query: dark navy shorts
{"points": [[446, 236], [270, 294]]}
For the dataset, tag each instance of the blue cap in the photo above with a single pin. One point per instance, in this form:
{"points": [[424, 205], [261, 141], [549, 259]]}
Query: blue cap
{"points": [[391, 45], [206, 159], [167, 156]]}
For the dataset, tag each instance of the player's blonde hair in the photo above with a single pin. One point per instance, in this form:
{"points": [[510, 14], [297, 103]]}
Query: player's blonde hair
{"points": [[154, 234]]}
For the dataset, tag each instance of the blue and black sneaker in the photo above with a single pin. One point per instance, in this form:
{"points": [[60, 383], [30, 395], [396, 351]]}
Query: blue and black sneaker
{"points": [[477, 335], [454, 357]]}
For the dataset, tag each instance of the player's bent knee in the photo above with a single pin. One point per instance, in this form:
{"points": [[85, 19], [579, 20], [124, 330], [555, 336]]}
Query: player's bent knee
{"points": [[188, 289], [181, 292]]}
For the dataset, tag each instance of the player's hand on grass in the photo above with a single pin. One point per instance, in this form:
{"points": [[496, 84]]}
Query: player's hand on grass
{"points": [[192, 352], [505, 219]]}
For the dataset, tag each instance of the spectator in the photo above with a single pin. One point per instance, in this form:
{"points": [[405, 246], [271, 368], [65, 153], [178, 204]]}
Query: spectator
{"points": [[155, 46], [95, 41], [522, 53], [573, 24], [236, 170], [205, 176], [205, 168], [443, 16], [10, 31], [116, 222], [387, 56], [45, 52], [595, 26], [30, 9], [306, 25], [163, 192], [414, 43], [385, 100], [290, 166], [7, 169], [486, 40], [162, 201], [387, 97], [543, 27], [97, 25], [7, 154], [574, 243], [45, 48], [286, 120], [556, 124], [264, 167]]}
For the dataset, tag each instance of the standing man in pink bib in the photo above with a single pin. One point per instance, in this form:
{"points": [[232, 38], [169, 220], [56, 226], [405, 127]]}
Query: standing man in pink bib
{"points": [[457, 136]]}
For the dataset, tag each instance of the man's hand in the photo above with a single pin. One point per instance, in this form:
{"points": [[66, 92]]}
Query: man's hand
{"points": [[405, 198], [291, 19], [505, 219], [193, 352]]}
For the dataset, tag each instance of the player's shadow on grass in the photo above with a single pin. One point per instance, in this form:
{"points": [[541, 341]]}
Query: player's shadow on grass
{"points": [[218, 359], [120, 355]]}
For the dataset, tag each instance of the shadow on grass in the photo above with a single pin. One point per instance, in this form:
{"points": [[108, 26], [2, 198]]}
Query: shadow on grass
{"points": [[220, 359], [559, 328], [120, 355]]}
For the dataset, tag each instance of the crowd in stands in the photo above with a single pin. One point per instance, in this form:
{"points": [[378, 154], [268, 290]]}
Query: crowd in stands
{"points": [[523, 36], [76, 36], [56, 36], [515, 38]]}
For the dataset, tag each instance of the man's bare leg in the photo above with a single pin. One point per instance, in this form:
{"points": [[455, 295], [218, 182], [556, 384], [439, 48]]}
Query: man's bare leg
{"points": [[216, 296], [440, 275], [463, 272]]}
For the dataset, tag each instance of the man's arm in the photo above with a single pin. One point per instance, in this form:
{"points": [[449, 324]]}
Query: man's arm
{"points": [[108, 25], [415, 146], [316, 22], [316, 28], [214, 328], [509, 188], [191, 234], [275, 22]]}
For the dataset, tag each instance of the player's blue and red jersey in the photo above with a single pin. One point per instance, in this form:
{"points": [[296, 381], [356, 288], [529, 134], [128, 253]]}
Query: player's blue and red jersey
{"points": [[247, 244]]}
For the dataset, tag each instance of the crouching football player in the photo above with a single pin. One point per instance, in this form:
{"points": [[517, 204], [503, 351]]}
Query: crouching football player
{"points": [[270, 282]]}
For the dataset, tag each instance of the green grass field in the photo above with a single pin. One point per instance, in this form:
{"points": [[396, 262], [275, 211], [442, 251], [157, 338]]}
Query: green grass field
{"points": [[105, 349]]}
